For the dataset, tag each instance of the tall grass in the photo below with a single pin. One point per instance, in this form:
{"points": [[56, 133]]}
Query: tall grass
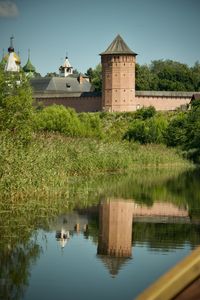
{"points": [[44, 167]]}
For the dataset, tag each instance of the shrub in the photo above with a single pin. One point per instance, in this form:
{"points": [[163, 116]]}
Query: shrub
{"points": [[90, 125], [176, 131], [57, 118], [150, 131], [145, 113]]}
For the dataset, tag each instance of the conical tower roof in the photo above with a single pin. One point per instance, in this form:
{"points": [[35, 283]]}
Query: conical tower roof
{"points": [[118, 46]]}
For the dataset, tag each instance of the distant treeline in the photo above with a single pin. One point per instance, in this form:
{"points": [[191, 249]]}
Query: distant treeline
{"points": [[160, 75]]}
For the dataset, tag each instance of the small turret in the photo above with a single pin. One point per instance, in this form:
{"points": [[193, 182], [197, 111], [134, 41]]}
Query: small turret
{"points": [[66, 69]]}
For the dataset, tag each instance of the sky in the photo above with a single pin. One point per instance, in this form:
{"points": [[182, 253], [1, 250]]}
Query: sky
{"points": [[81, 29]]}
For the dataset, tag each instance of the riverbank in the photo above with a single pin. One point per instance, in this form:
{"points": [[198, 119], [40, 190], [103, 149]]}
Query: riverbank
{"points": [[46, 164]]}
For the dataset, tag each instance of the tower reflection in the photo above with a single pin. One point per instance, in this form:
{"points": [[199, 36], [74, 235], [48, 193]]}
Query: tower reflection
{"points": [[115, 228]]}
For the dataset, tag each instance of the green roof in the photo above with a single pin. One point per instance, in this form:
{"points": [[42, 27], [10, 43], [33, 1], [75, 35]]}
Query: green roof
{"points": [[29, 67], [118, 46]]}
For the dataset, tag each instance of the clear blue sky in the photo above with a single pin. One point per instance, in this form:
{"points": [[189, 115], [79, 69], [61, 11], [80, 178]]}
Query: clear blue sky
{"points": [[155, 29]]}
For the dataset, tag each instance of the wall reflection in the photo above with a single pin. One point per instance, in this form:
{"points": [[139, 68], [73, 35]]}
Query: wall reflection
{"points": [[116, 217]]}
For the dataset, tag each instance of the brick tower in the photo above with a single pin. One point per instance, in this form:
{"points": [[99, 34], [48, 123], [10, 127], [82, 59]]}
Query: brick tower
{"points": [[118, 77]]}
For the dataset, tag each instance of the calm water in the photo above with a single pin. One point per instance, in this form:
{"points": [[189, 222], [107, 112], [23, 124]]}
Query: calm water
{"points": [[115, 236]]}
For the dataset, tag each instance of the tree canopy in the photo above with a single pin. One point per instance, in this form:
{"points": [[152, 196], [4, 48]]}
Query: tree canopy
{"points": [[160, 75]]}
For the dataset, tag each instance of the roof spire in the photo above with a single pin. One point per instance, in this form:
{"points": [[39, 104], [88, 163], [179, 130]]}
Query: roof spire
{"points": [[29, 51], [11, 48]]}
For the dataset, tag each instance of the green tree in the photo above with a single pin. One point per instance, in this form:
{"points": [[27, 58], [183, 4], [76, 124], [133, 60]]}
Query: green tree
{"points": [[145, 80], [192, 142], [52, 74], [16, 105], [172, 75], [196, 76], [95, 76]]}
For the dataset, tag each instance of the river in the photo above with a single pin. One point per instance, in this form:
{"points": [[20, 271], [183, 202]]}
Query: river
{"points": [[110, 238]]}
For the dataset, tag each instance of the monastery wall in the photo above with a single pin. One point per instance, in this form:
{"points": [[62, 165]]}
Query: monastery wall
{"points": [[80, 104], [161, 103], [94, 103]]}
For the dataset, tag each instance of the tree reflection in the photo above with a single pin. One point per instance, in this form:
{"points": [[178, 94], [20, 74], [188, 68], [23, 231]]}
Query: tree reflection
{"points": [[15, 264]]}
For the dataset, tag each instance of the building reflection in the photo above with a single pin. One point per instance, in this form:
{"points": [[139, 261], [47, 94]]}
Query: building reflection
{"points": [[115, 228], [116, 218], [62, 237], [68, 225]]}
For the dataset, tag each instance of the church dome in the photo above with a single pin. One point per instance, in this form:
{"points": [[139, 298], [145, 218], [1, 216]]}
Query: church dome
{"points": [[15, 56], [29, 67]]}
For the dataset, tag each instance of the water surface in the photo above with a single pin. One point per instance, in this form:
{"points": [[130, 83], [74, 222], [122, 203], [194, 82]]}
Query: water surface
{"points": [[114, 237]]}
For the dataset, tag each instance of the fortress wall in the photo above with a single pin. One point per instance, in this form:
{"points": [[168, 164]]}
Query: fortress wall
{"points": [[80, 104], [94, 103], [161, 103]]}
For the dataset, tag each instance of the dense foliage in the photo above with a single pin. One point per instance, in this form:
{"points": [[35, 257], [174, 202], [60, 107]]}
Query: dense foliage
{"points": [[57, 118], [181, 129], [160, 75], [16, 106], [95, 76]]}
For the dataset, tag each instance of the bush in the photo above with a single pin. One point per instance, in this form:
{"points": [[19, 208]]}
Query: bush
{"points": [[145, 113], [57, 118], [90, 125], [150, 131], [176, 131]]}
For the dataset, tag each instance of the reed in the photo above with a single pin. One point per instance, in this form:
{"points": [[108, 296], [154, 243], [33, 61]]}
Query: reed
{"points": [[44, 166]]}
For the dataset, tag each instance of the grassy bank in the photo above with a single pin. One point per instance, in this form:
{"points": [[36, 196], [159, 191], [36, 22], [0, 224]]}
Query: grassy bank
{"points": [[46, 164]]}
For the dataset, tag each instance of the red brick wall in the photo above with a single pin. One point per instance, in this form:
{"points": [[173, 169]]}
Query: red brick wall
{"points": [[94, 103], [80, 104], [161, 103]]}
